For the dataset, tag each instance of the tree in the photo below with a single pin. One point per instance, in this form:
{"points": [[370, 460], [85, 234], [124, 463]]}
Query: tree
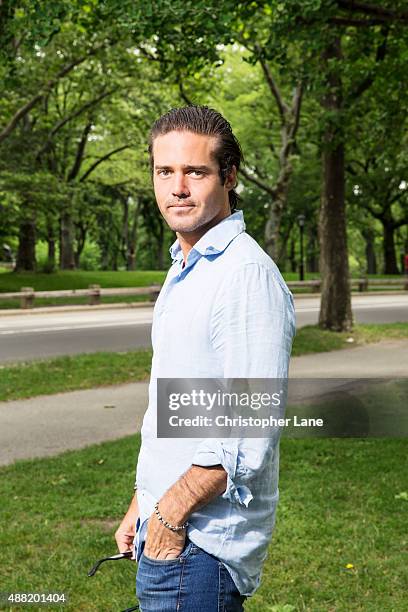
{"points": [[378, 165], [48, 64], [342, 46], [330, 38], [289, 118], [96, 114], [338, 50]]}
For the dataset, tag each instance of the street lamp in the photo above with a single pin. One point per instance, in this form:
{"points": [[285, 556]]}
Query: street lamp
{"points": [[301, 222]]}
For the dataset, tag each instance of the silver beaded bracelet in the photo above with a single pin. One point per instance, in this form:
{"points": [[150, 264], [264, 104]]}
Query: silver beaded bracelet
{"points": [[165, 523]]}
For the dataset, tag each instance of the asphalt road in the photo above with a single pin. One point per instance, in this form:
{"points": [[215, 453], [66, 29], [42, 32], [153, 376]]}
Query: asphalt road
{"points": [[35, 335]]}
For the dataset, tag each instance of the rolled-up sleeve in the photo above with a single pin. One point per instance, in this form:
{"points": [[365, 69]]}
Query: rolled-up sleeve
{"points": [[252, 331], [226, 453]]}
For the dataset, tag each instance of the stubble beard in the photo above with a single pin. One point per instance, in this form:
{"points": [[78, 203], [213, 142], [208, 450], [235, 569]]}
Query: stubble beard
{"points": [[194, 220]]}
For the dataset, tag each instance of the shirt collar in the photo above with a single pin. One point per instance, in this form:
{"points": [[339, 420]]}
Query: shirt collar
{"points": [[216, 239]]}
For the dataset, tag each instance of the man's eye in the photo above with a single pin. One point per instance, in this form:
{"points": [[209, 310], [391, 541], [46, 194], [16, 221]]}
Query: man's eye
{"points": [[197, 172], [163, 172]]}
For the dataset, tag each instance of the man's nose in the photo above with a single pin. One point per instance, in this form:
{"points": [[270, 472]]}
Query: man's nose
{"points": [[180, 187]]}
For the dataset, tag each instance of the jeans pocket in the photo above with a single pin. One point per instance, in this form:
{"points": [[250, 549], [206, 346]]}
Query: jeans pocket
{"points": [[184, 553]]}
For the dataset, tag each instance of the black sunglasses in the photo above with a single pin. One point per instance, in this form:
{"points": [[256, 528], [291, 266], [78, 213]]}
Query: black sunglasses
{"points": [[125, 555]]}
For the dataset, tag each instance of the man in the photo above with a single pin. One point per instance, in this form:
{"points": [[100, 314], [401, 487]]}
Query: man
{"points": [[205, 509]]}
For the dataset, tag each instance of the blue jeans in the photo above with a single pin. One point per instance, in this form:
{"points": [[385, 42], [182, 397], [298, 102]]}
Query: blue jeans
{"points": [[194, 582]]}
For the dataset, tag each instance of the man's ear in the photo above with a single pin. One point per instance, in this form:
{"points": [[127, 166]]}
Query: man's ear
{"points": [[231, 180]]}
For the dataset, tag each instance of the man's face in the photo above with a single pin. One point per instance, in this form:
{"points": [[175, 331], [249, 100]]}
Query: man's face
{"points": [[187, 183]]}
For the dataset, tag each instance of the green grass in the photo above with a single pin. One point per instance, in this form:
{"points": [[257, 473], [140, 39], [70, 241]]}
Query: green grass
{"points": [[81, 279], [355, 408], [10, 281], [44, 377], [78, 279], [339, 505], [341, 502], [311, 339], [68, 301]]}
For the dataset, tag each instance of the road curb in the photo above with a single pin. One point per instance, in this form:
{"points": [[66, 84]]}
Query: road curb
{"points": [[78, 308], [85, 307], [353, 294]]}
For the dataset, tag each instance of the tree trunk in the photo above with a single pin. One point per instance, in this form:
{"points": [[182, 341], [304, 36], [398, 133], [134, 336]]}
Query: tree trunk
{"points": [[132, 239], [390, 259], [51, 247], [276, 208], [272, 232], [371, 259], [104, 256], [312, 264], [81, 234], [292, 255], [335, 307], [284, 242], [289, 123], [67, 255], [114, 259], [125, 233], [25, 260], [131, 259], [160, 244]]}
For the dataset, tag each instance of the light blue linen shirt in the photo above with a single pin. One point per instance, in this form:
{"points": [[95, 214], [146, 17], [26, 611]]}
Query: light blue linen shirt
{"points": [[227, 314]]}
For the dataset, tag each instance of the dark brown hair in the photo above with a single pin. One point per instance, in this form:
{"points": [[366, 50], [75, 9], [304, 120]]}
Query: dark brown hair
{"points": [[203, 120]]}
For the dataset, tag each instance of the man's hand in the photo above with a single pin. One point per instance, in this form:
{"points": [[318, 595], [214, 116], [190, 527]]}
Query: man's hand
{"points": [[126, 531], [161, 542], [193, 490]]}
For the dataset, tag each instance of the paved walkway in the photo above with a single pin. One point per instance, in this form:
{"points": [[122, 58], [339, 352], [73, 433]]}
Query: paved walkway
{"points": [[48, 425], [386, 358]]}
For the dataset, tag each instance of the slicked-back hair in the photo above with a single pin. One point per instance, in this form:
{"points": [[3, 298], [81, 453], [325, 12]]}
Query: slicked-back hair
{"points": [[209, 122]]}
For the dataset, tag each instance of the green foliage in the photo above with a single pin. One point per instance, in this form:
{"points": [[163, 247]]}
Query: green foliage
{"points": [[82, 154], [90, 257], [136, 60]]}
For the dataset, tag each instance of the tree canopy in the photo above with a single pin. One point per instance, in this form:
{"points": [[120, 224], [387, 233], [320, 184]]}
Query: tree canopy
{"points": [[315, 90]]}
